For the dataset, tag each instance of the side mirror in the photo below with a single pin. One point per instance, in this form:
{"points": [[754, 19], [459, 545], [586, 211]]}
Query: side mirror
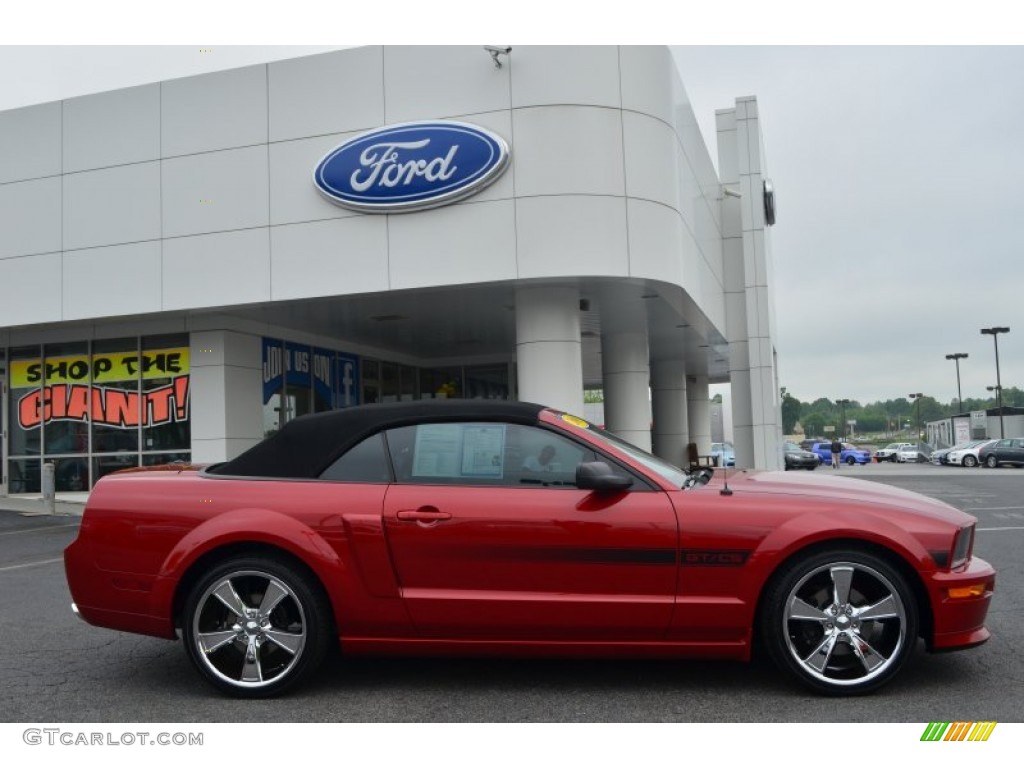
{"points": [[598, 476]]}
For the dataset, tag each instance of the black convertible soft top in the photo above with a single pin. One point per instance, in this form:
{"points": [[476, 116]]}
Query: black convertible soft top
{"points": [[306, 446]]}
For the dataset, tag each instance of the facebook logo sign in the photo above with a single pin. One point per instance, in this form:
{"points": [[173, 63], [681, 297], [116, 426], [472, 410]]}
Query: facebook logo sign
{"points": [[347, 381]]}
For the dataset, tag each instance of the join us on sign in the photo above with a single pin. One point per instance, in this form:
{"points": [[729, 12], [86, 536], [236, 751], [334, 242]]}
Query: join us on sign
{"points": [[411, 166]]}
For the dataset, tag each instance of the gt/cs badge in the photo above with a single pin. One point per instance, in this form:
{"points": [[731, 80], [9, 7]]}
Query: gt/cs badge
{"points": [[714, 557]]}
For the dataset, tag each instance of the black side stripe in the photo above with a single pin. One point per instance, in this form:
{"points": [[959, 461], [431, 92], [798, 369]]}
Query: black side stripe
{"points": [[689, 558]]}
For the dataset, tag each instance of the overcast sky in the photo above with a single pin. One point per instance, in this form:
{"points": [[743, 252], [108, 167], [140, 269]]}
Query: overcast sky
{"points": [[898, 173]]}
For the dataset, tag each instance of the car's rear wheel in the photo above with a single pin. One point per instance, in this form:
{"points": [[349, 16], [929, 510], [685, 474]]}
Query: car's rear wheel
{"points": [[850, 460], [255, 626], [992, 462], [970, 461], [840, 621]]}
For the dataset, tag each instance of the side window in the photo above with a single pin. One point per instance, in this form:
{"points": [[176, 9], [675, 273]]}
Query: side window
{"points": [[364, 463], [540, 457], [484, 454]]}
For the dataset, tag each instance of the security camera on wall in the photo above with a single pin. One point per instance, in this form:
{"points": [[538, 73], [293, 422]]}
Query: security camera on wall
{"points": [[497, 51]]}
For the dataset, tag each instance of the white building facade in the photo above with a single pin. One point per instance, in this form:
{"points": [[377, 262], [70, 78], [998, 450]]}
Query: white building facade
{"points": [[174, 285]]}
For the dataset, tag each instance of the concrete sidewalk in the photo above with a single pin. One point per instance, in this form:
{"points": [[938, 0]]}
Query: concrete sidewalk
{"points": [[67, 504]]}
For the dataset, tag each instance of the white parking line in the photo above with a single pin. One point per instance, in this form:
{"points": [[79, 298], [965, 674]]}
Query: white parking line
{"points": [[1009, 528], [988, 509], [30, 565], [38, 528]]}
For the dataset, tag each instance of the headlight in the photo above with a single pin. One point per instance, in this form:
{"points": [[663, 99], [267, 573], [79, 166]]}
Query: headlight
{"points": [[963, 546]]}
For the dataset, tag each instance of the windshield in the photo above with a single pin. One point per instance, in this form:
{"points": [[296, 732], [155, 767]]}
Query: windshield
{"points": [[670, 473]]}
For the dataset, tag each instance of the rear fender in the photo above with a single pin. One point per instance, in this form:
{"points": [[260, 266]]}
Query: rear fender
{"points": [[258, 526]]}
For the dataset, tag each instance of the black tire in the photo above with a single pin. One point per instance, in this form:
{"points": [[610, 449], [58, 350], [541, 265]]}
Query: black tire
{"points": [[850, 460], [991, 461], [256, 626], [970, 461], [834, 646]]}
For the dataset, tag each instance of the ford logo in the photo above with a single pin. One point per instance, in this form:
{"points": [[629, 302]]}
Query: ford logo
{"points": [[411, 166]]}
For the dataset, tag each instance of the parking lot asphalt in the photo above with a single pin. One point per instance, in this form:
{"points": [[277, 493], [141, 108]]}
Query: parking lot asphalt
{"points": [[57, 669]]}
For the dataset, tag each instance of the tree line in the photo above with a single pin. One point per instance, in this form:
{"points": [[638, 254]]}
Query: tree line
{"points": [[881, 416]]}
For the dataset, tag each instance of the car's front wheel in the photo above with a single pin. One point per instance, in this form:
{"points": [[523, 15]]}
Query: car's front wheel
{"points": [[851, 460], [970, 461], [254, 626], [992, 462], [840, 621]]}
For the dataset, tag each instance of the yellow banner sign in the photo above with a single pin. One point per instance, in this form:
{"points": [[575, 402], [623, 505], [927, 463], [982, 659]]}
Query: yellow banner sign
{"points": [[104, 368]]}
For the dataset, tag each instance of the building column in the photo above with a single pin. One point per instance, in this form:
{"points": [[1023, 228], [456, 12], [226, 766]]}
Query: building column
{"points": [[626, 375], [671, 430], [225, 394], [698, 410], [548, 347]]}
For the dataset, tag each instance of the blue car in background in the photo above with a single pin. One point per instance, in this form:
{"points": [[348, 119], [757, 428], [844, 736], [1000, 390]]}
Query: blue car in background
{"points": [[724, 454], [849, 455]]}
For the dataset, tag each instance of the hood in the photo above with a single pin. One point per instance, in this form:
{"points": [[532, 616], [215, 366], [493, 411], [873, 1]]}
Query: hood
{"points": [[831, 489]]}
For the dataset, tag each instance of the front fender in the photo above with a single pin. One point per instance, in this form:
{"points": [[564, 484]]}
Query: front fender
{"points": [[813, 528]]}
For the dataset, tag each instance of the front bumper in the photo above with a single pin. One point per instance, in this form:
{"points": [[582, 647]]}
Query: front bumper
{"points": [[960, 622]]}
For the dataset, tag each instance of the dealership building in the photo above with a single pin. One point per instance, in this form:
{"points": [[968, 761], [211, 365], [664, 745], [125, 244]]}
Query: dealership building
{"points": [[187, 264]]}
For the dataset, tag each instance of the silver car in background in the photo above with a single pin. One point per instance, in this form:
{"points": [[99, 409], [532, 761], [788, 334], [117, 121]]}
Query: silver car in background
{"points": [[967, 457]]}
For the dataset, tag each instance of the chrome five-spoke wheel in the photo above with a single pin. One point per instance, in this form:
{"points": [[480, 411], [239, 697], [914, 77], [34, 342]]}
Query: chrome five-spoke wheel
{"points": [[841, 622], [255, 626]]}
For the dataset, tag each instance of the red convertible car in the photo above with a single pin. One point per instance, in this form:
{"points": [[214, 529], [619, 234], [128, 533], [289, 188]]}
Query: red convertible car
{"points": [[484, 527]]}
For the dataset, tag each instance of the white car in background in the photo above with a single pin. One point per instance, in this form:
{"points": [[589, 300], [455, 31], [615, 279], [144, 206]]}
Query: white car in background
{"points": [[889, 452], [910, 453], [967, 457]]}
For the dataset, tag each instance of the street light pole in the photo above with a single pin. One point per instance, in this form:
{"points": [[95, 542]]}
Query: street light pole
{"points": [[917, 396], [999, 391], [956, 357], [842, 418], [994, 333]]}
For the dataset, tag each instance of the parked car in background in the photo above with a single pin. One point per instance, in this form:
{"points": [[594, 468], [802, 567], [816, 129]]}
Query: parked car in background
{"points": [[941, 456], [796, 457], [849, 455], [724, 453], [1008, 451], [910, 454], [967, 457], [889, 452]]}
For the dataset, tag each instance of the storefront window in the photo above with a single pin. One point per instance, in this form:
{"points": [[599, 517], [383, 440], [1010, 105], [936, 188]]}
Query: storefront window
{"points": [[116, 409], [487, 382], [23, 476], [166, 379], [273, 385], [88, 408], [323, 380], [298, 380], [25, 409], [389, 383], [410, 383], [371, 381], [440, 382]]}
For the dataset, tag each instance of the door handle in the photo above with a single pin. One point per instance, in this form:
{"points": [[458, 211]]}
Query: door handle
{"points": [[423, 515]]}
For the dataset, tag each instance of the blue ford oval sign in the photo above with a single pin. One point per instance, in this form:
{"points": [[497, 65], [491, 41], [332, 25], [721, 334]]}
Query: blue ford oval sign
{"points": [[411, 166]]}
